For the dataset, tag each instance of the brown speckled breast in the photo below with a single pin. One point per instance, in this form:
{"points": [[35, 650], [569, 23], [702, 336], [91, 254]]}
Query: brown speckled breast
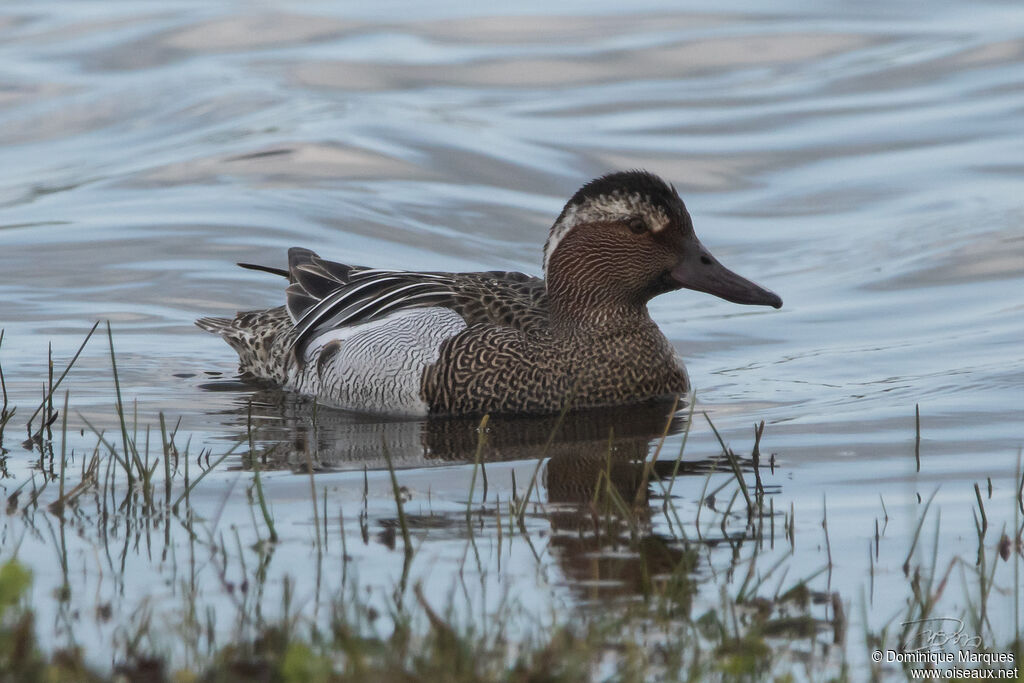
{"points": [[487, 369]]}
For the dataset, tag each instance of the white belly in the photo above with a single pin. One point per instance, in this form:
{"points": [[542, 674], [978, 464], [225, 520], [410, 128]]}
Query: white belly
{"points": [[377, 366]]}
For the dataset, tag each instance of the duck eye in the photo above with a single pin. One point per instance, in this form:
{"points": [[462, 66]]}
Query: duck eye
{"points": [[637, 226]]}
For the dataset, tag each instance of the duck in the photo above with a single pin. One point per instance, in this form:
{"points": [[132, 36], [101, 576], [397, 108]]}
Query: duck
{"points": [[411, 343]]}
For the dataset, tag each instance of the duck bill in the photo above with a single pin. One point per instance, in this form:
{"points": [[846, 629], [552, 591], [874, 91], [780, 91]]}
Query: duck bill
{"points": [[700, 271]]}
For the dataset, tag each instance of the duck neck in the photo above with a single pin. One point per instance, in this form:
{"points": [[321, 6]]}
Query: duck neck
{"points": [[581, 306]]}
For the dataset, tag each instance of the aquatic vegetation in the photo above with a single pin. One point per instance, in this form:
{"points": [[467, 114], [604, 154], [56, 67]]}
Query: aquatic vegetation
{"points": [[258, 578]]}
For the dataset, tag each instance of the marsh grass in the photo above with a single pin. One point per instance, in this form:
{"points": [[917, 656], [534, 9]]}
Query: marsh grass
{"points": [[767, 625], [6, 411]]}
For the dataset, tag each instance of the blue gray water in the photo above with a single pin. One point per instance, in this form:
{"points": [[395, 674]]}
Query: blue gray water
{"points": [[862, 160]]}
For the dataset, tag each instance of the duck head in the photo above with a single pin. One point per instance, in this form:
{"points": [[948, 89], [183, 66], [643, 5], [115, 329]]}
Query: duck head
{"points": [[625, 238]]}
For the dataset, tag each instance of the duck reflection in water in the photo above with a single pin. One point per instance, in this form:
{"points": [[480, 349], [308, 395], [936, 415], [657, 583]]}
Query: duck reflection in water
{"points": [[598, 494]]}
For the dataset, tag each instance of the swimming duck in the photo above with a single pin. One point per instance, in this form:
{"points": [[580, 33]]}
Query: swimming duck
{"points": [[417, 343]]}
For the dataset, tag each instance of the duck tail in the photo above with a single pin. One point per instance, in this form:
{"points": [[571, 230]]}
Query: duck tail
{"points": [[231, 331], [261, 339], [221, 326]]}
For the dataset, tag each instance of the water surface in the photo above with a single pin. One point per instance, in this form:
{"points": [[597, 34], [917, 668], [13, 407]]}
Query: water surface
{"points": [[863, 161]]}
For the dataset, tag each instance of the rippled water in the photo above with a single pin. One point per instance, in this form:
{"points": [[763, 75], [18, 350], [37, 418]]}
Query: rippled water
{"points": [[862, 160]]}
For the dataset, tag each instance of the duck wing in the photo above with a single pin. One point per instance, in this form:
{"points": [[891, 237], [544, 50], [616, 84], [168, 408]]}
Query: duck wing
{"points": [[325, 295]]}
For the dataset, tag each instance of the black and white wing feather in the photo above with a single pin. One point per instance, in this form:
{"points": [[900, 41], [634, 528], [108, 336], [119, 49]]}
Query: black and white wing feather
{"points": [[324, 295]]}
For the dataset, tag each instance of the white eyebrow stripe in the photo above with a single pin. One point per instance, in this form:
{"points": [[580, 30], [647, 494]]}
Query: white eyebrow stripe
{"points": [[605, 207], [659, 221]]}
